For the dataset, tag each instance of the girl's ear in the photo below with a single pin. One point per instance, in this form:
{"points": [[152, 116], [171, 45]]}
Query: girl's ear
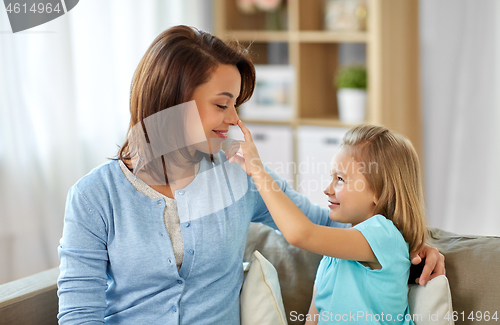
{"points": [[375, 200]]}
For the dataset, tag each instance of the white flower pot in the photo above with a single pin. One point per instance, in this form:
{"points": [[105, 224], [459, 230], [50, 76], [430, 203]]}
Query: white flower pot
{"points": [[351, 105]]}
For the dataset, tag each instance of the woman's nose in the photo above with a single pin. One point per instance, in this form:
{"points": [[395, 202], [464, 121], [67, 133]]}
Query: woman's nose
{"points": [[231, 116]]}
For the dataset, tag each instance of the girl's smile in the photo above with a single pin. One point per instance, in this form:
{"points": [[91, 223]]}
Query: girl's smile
{"points": [[332, 204]]}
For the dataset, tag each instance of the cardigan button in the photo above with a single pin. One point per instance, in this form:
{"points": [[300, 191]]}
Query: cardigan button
{"points": [[191, 251], [181, 192]]}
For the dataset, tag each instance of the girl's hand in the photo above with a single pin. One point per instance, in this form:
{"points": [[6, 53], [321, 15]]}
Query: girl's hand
{"points": [[245, 153]]}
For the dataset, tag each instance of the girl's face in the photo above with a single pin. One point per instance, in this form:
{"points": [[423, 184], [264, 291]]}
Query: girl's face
{"points": [[350, 198], [216, 100]]}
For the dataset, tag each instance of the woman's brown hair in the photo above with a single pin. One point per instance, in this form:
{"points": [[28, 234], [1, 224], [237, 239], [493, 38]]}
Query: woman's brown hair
{"points": [[395, 178], [179, 60]]}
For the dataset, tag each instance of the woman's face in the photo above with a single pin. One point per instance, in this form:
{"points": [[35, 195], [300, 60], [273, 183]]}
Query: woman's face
{"points": [[215, 101]]}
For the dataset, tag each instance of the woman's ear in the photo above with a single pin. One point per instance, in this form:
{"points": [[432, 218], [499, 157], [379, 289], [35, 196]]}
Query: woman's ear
{"points": [[375, 200]]}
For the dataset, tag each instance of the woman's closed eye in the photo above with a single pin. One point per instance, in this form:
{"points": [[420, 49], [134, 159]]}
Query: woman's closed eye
{"points": [[222, 106]]}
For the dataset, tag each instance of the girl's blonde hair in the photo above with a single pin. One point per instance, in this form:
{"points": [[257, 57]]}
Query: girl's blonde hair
{"points": [[396, 179]]}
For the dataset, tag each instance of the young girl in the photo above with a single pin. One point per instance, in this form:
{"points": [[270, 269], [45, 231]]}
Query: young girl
{"points": [[376, 187]]}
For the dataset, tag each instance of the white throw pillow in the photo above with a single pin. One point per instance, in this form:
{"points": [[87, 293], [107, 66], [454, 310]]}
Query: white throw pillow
{"points": [[431, 304], [260, 298]]}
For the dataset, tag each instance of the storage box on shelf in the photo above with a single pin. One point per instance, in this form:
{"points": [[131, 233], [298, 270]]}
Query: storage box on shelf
{"points": [[392, 53]]}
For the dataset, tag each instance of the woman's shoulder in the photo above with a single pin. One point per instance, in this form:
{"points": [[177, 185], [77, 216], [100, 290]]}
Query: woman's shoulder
{"points": [[97, 174], [102, 179]]}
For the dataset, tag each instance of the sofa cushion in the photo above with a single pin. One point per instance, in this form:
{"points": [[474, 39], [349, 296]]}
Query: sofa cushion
{"points": [[472, 268], [261, 302], [431, 304], [296, 268]]}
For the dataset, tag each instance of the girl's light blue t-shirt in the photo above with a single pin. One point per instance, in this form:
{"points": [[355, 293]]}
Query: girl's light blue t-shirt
{"points": [[348, 292]]}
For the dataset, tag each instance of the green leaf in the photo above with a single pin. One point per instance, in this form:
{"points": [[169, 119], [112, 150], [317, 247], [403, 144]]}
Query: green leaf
{"points": [[351, 77]]}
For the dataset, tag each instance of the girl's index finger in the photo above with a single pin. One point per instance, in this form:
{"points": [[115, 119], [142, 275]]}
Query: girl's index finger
{"points": [[246, 132]]}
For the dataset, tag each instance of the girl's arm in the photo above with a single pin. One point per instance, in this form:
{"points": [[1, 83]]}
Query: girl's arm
{"points": [[297, 229], [300, 232], [313, 314]]}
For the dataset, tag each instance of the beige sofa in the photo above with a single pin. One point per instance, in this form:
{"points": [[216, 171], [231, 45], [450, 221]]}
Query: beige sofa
{"points": [[472, 268], [31, 300]]}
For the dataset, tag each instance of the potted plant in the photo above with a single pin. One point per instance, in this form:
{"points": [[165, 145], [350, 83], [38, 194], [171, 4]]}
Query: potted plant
{"points": [[351, 93]]}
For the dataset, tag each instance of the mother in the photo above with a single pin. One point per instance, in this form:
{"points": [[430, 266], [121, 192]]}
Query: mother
{"points": [[157, 234]]}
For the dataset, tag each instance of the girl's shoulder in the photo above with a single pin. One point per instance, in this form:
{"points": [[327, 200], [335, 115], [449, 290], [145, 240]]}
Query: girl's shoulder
{"points": [[385, 240], [379, 225]]}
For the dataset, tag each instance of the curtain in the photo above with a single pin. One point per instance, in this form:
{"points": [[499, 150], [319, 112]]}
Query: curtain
{"points": [[460, 62], [64, 92]]}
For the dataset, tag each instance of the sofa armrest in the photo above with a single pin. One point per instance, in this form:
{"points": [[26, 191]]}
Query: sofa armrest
{"points": [[30, 300]]}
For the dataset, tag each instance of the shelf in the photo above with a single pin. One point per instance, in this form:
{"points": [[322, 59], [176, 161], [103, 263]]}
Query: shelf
{"points": [[392, 59], [329, 37], [303, 37], [317, 64], [259, 36], [272, 122], [330, 121], [326, 121]]}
